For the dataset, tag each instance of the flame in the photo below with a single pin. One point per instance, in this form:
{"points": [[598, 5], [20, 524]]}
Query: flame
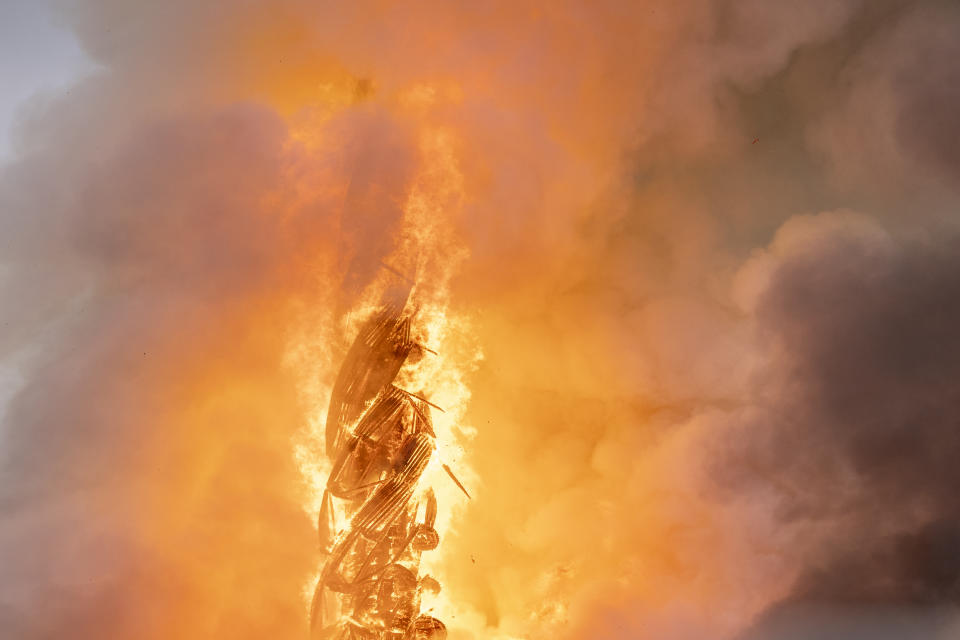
{"points": [[573, 294], [428, 246]]}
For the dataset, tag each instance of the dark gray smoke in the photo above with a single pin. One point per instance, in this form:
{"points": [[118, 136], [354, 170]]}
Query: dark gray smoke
{"points": [[860, 419]]}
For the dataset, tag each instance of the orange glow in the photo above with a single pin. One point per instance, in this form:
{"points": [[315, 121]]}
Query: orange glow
{"points": [[481, 149]]}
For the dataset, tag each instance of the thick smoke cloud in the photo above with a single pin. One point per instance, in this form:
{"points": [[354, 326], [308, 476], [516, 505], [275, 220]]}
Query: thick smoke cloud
{"points": [[699, 409], [930, 94], [149, 486], [887, 129], [857, 407]]}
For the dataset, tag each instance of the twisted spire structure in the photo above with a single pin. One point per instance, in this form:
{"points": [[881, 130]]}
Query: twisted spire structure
{"points": [[373, 528]]}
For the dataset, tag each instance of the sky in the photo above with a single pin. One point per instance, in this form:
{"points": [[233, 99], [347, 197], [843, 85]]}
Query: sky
{"points": [[40, 55], [691, 270]]}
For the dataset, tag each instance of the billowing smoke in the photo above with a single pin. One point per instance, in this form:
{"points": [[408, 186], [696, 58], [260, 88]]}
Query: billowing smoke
{"points": [[852, 434], [708, 250]]}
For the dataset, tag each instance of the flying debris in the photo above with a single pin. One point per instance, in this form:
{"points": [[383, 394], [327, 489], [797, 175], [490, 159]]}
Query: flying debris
{"points": [[457, 482], [372, 526]]}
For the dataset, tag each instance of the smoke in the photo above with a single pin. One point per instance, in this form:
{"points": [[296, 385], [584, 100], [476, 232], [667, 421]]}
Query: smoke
{"points": [[699, 408], [856, 409]]}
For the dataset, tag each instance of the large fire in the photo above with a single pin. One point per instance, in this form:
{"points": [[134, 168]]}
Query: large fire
{"points": [[373, 527], [385, 490], [555, 212]]}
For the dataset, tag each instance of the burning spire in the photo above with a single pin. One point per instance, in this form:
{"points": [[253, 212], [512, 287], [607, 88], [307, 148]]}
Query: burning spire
{"points": [[375, 520]]}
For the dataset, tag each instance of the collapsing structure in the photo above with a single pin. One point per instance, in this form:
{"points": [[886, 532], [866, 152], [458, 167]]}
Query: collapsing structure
{"points": [[372, 527]]}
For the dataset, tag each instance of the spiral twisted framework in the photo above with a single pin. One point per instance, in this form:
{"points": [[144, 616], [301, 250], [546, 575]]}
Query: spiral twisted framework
{"points": [[373, 530]]}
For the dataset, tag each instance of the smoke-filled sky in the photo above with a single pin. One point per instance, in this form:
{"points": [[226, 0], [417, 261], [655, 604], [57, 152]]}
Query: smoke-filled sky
{"points": [[701, 260], [39, 56]]}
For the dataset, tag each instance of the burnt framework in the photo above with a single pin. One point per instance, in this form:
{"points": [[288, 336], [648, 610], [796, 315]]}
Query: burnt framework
{"points": [[372, 528]]}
